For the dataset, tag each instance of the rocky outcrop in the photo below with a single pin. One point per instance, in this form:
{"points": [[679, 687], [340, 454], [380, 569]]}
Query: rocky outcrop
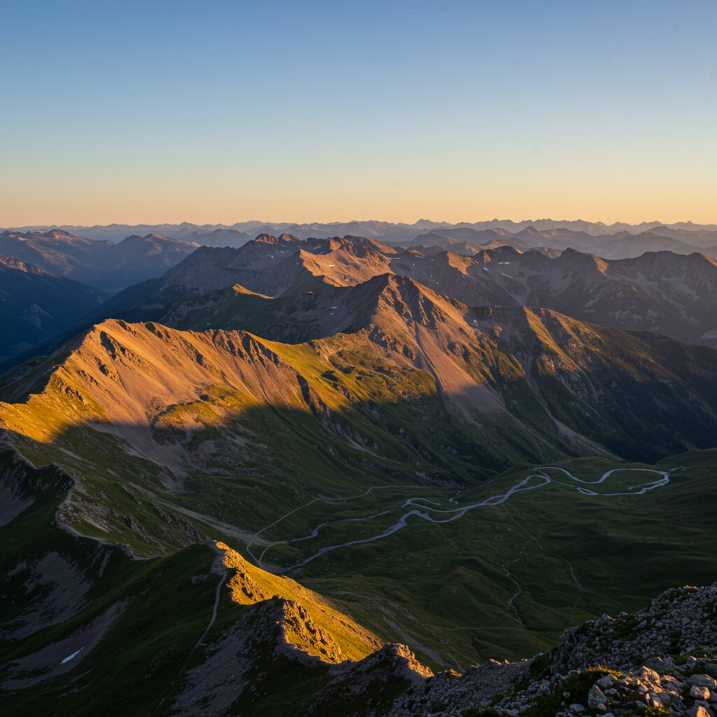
{"points": [[659, 661], [679, 621]]}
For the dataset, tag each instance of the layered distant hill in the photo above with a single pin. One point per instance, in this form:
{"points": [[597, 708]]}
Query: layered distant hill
{"points": [[661, 292], [386, 231], [35, 304], [218, 237], [621, 245], [102, 264]]}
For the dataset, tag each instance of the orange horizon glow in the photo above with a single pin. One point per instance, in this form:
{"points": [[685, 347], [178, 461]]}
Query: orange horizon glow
{"points": [[396, 206]]}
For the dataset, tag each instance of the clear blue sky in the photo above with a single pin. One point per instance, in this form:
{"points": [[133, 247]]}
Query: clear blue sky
{"points": [[228, 111]]}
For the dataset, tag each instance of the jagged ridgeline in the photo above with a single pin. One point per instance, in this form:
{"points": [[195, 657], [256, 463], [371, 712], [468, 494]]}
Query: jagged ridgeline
{"points": [[658, 291]]}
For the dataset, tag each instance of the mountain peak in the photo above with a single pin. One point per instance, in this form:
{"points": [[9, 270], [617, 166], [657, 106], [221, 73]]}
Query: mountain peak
{"points": [[271, 239]]}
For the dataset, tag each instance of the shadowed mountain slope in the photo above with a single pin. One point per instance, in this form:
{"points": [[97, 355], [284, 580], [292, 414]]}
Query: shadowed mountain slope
{"points": [[159, 636], [35, 304], [102, 264], [91, 631], [413, 324]]}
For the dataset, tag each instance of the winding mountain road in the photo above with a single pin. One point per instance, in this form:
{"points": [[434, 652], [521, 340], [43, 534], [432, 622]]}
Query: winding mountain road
{"points": [[534, 481]]}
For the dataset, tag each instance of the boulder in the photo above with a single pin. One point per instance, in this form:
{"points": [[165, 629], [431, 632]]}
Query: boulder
{"points": [[703, 681], [699, 693], [597, 699], [606, 681], [698, 711]]}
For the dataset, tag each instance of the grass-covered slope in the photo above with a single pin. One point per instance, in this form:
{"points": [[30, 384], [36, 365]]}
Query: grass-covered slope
{"points": [[463, 576], [171, 434], [641, 396]]}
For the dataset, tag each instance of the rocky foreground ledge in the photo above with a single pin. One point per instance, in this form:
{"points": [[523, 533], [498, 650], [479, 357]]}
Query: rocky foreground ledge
{"points": [[661, 661]]}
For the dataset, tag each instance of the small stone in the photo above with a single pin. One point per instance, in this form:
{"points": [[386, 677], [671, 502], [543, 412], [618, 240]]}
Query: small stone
{"points": [[648, 675], [700, 693], [577, 708]]}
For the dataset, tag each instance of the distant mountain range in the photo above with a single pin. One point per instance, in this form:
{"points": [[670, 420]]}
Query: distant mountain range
{"points": [[622, 245], [387, 231], [662, 291]]}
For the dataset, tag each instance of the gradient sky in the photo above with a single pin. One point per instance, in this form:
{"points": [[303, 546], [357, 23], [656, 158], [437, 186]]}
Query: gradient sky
{"points": [[221, 111]]}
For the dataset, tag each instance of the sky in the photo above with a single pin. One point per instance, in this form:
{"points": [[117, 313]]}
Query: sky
{"points": [[218, 112]]}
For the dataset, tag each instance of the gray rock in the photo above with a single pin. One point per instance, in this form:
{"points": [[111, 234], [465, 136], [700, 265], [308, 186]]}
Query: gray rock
{"points": [[646, 675], [661, 664], [703, 681], [606, 681], [596, 697]]}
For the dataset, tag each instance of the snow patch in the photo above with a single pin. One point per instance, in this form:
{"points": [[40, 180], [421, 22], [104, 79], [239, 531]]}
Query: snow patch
{"points": [[74, 654]]}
